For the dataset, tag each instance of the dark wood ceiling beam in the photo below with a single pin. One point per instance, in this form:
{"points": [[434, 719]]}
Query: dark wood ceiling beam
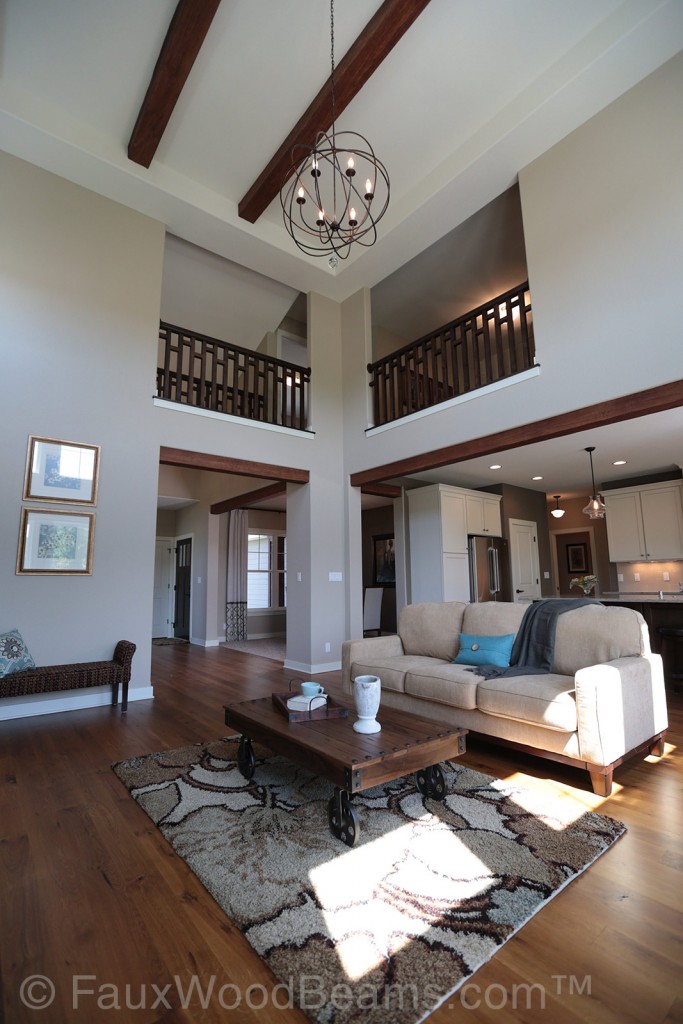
{"points": [[378, 38], [615, 410], [382, 490], [183, 41], [225, 464], [248, 499]]}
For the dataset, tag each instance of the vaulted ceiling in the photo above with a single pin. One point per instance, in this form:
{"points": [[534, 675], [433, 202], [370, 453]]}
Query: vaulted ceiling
{"points": [[467, 93], [456, 97]]}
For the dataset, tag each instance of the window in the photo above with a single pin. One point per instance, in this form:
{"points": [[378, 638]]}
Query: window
{"points": [[267, 570]]}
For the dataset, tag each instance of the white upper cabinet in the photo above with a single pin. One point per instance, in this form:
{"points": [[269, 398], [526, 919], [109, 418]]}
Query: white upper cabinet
{"points": [[645, 523], [483, 514]]}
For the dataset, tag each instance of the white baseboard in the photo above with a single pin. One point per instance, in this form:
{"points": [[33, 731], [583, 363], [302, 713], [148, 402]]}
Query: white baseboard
{"points": [[31, 705], [310, 670], [204, 643]]}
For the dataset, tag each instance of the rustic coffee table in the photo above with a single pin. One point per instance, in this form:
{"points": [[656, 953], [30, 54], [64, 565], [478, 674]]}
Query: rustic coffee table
{"points": [[351, 761]]}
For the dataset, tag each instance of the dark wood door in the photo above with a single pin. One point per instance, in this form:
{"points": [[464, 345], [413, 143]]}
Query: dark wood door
{"points": [[183, 580]]}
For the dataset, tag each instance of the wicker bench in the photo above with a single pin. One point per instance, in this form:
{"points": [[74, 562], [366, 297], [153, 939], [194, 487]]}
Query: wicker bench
{"points": [[53, 678]]}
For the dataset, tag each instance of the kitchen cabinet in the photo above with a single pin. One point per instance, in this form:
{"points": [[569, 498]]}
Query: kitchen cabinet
{"points": [[483, 514], [645, 523], [437, 534], [439, 519]]}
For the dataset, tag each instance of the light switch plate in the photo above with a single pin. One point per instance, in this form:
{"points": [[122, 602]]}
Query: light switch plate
{"points": [[335, 577]]}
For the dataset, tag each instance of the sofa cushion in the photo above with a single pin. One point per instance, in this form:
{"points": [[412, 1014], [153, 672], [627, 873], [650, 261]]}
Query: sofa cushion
{"points": [[392, 671], [14, 654], [548, 700], [492, 618], [595, 634], [450, 684], [485, 650], [431, 630]]}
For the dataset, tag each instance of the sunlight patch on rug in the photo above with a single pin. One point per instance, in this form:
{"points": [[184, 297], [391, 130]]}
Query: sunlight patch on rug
{"points": [[399, 922]]}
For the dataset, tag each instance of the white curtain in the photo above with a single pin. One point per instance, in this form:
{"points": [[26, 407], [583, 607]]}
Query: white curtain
{"points": [[236, 608]]}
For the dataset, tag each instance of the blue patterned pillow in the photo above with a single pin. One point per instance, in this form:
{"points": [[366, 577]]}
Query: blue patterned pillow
{"points": [[14, 654], [485, 650]]}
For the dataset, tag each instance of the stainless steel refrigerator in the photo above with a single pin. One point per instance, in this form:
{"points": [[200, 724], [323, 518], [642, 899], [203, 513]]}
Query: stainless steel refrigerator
{"points": [[489, 569]]}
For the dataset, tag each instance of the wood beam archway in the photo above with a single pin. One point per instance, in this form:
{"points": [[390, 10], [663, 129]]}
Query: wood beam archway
{"points": [[225, 464], [615, 410]]}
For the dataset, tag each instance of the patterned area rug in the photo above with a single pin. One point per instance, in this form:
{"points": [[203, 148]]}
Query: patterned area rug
{"points": [[390, 929]]}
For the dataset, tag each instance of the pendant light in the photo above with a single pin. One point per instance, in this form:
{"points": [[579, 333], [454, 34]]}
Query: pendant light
{"points": [[557, 511], [595, 509], [336, 191]]}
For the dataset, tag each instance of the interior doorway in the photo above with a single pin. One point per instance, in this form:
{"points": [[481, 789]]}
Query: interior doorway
{"points": [[183, 587], [573, 555], [163, 603]]}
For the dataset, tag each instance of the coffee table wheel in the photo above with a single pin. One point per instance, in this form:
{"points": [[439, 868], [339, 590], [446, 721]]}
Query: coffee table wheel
{"points": [[343, 816], [430, 782], [246, 762]]}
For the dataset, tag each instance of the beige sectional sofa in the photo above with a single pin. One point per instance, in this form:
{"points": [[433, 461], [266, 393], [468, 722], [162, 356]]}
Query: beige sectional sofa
{"points": [[602, 702]]}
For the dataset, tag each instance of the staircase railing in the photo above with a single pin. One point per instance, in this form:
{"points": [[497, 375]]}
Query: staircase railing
{"points": [[486, 345], [210, 374]]}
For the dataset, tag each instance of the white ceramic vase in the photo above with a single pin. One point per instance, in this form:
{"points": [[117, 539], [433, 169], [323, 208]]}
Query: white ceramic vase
{"points": [[367, 692]]}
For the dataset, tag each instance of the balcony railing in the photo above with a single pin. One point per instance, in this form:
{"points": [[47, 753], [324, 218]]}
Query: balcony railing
{"points": [[210, 374], [486, 345]]}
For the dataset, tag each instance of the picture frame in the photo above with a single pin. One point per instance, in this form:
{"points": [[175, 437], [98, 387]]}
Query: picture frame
{"points": [[384, 562], [577, 557], [55, 542], [61, 471]]}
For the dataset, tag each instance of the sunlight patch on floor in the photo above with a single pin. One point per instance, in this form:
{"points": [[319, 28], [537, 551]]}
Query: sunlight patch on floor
{"points": [[366, 930]]}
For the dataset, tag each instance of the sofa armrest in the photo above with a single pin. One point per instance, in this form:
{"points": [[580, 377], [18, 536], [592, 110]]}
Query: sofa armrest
{"points": [[366, 650], [620, 705]]}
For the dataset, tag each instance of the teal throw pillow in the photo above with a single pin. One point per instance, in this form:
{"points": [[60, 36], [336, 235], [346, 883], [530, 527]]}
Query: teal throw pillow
{"points": [[485, 650], [14, 654]]}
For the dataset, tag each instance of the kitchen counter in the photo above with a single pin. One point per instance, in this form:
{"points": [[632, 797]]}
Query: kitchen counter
{"points": [[657, 611]]}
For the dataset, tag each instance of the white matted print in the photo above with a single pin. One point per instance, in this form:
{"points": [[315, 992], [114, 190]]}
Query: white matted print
{"points": [[55, 543], [61, 471]]}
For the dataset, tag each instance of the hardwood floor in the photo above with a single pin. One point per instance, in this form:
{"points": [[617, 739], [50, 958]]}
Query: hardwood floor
{"points": [[93, 899]]}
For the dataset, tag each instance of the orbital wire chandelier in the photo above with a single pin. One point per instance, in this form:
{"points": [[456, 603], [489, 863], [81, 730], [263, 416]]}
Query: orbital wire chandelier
{"points": [[336, 190]]}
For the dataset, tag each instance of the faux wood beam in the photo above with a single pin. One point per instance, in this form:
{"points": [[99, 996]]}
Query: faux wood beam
{"points": [[183, 41], [376, 41], [248, 499], [615, 410], [224, 464], [382, 490]]}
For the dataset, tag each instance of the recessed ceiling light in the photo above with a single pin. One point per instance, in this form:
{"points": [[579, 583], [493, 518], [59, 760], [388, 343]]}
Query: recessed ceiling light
{"points": [[619, 462], [537, 478], [495, 466]]}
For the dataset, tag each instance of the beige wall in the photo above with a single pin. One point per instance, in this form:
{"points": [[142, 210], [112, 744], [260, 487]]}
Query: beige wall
{"points": [[80, 281]]}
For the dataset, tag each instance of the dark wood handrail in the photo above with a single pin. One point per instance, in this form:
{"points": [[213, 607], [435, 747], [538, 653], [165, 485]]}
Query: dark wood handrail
{"points": [[208, 373], [486, 345]]}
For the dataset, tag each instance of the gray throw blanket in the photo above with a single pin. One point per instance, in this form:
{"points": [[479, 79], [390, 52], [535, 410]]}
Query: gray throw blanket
{"points": [[534, 646]]}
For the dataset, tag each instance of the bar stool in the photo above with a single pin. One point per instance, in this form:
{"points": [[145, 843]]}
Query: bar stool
{"points": [[672, 645]]}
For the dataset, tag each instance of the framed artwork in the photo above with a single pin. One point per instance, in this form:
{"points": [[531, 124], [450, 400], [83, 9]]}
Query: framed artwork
{"points": [[61, 471], [55, 543], [384, 562], [577, 557]]}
